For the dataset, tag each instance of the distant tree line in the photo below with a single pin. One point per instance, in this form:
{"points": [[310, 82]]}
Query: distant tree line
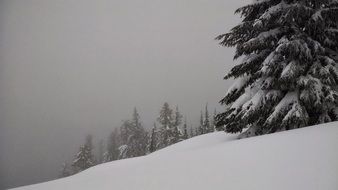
{"points": [[132, 139]]}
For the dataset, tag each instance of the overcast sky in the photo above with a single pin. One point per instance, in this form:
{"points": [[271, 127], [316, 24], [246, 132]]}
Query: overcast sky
{"points": [[73, 67]]}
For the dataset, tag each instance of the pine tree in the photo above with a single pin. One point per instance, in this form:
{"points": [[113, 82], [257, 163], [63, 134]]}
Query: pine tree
{"points": [[126, 133], [100, 154], [213, 122], [197, 131], [166, 120], [152, 143], [84, 158], [113, 144], [206, 122], [133, 137], [191, 134], [288, 74], [185, 130], [176, 125], [139, 145], [201, 129]]}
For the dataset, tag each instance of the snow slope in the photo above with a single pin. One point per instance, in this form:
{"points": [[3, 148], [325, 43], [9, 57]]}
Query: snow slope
{"points": [[302, 159]]}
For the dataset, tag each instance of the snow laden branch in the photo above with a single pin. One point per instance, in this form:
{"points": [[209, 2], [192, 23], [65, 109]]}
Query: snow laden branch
{"points": [[288, 74]]}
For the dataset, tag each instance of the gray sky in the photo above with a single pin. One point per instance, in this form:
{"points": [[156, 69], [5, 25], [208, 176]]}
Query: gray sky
{"points": [[73, 67]]}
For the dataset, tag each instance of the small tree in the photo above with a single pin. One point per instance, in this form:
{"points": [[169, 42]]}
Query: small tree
{"points": [[166, 130], [197, 131], [213, 122], [152, 143], [185, 130], [191, 134], [206, 122], [176, 125], [201, 129], [84, 158], [113, 143], [100, 154]]}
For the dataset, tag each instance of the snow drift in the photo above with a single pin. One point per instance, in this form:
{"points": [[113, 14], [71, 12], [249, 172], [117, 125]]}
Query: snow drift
{"points": [[302, 159]]}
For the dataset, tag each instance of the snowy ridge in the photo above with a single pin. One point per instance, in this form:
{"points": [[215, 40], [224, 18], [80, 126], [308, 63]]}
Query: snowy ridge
{"points": [[294, 160]]}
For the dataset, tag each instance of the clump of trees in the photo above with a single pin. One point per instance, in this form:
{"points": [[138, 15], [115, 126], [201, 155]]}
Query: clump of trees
{"points": [[132, 139]]}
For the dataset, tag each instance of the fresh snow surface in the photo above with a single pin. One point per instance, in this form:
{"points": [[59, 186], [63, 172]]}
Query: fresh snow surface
{"points": [[301, 159]]}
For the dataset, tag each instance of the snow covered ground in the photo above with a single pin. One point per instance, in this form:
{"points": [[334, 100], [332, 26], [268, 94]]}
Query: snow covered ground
{"points": [[302, 159]]}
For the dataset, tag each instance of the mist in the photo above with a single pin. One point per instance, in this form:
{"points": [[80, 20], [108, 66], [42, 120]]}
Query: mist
{"points": [[70, 68]]}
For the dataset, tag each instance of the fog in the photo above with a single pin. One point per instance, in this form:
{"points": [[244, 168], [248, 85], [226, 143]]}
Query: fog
{"points": [[74, 67]]}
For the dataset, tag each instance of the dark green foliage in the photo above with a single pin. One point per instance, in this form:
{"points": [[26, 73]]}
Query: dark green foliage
{"points": [[288, 75]]}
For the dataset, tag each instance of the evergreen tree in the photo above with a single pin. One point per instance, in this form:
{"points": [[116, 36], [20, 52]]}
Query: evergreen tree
{"points": [[176, 125], [167, 134], [288, 74], [134, 138], [201, 129], [197, 131], [113, 144], [206, 123], [213, 122], [185, 130], [123, 152], [100, 154], [178, 118], [84, 158], [152, 144], [126, 134], [191, 132], [139, 143]]}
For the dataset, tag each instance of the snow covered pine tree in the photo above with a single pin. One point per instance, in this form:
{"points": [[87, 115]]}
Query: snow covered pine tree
{"points": [[288, 76], [84, 158], [168, 133], [133, 137], [176, 127]]}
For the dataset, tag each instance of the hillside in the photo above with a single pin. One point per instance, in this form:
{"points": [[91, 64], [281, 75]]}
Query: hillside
{"points": [[302, 159]]}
